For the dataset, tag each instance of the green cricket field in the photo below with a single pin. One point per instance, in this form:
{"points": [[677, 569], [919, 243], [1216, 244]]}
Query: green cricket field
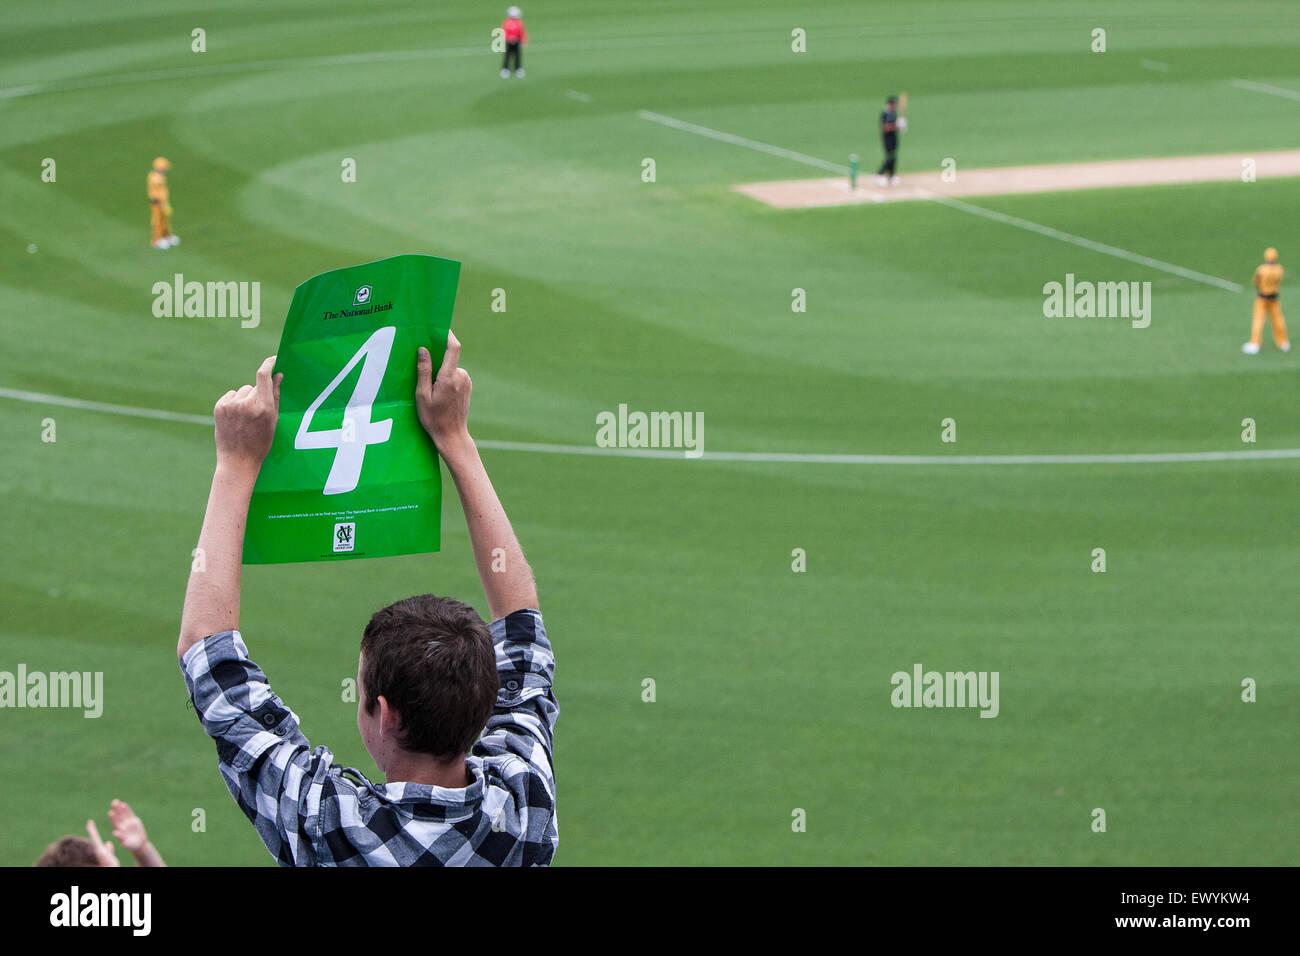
{"points": [[910, 463]]}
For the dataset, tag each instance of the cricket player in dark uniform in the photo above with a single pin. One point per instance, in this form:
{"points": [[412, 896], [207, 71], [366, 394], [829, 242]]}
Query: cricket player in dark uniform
{"points": [[891, 124]]}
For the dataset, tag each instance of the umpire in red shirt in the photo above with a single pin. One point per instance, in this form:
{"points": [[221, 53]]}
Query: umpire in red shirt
{"points": [[516, 36]]}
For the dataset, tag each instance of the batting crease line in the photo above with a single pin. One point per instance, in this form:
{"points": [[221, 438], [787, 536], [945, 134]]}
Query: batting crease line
{"points": [[736, 456], [1026, 224]]}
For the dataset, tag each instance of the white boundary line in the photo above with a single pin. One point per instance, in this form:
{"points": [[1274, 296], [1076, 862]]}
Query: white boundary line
{"points": [[1150, 458], [40, 398], [1266, 88], [1019, 223]]}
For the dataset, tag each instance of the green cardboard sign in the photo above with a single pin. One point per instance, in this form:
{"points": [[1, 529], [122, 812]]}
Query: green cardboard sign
{"points": [[351, 473]]}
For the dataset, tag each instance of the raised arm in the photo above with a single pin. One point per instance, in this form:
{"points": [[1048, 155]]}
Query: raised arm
{"points": [[245, 423], [443, 403]]}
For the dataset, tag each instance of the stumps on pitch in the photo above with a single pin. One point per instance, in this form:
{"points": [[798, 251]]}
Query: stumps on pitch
{"points": [[853, 171]]}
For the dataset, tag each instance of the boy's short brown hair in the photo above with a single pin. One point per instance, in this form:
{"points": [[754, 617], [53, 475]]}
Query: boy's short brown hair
{"points": [[69, 851], [432, 659]]}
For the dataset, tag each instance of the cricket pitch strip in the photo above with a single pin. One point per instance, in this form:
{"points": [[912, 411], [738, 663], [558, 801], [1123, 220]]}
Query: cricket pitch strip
{"points": [[835, 191]]}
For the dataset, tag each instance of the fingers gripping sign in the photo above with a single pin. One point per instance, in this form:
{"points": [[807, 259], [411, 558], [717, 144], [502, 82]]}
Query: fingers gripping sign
{"points": [[245, 419], [443, 401], [424, 383]]}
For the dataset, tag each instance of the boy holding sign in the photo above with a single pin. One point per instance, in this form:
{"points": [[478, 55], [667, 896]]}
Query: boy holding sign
{"points": [[457, 713]]}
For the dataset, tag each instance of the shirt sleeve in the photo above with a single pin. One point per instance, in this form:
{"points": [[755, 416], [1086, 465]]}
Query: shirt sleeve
{"points": [[267, 763], [523, 720]]}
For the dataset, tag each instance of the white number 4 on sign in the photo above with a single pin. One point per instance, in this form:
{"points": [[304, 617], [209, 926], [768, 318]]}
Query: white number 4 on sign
{"points": [[357, 430]]}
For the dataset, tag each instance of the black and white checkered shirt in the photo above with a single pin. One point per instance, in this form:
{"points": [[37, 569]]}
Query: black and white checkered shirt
{"points": [[311, 812]]}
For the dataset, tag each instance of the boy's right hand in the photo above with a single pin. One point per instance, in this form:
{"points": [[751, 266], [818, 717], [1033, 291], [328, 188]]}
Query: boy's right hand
{"points": [[443, 401]]}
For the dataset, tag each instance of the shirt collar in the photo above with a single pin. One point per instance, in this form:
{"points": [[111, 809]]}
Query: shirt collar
{"points": [[407, 792]]}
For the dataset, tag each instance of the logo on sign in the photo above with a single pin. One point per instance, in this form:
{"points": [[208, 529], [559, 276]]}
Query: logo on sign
{"points": [[345, 536], [362, 296]]}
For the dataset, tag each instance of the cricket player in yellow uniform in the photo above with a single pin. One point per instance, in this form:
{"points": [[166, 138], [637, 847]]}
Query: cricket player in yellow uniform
{"points": [[160, 207], [1268, 279]]}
